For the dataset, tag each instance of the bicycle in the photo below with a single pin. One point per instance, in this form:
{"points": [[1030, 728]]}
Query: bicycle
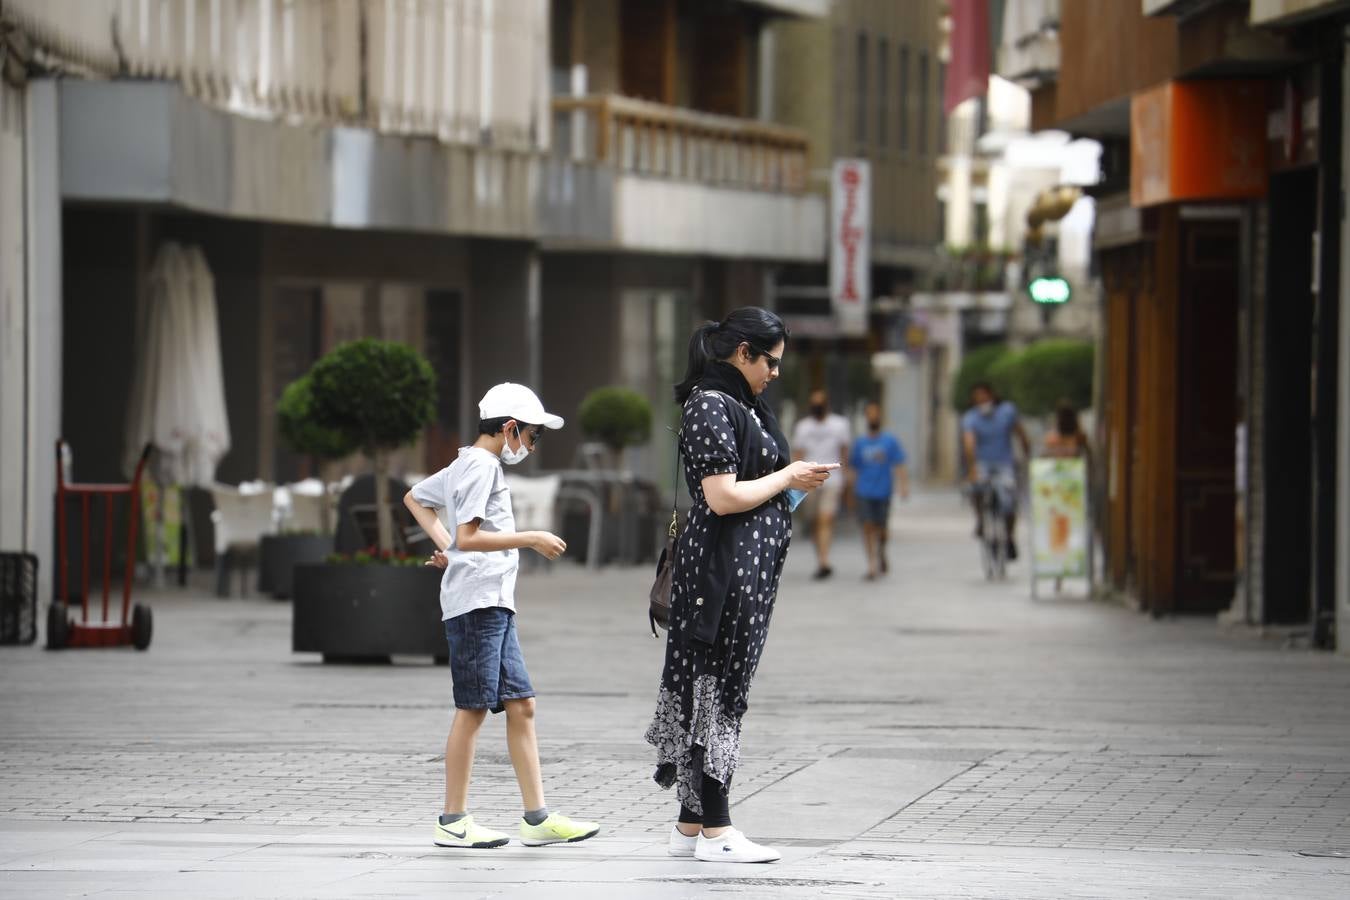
{"points": [[991, 502]]}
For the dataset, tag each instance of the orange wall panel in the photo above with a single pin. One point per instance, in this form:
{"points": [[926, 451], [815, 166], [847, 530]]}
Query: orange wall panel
{"points": [[1198, 140]]}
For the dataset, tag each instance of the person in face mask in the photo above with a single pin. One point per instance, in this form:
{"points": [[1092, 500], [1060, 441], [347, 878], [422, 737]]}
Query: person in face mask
{"points": [[823, 437], [877, 461], [987, 432], [478, 610]]}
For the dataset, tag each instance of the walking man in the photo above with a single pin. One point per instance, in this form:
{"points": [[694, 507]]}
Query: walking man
{"points": [[877, 462], [822, 437]]}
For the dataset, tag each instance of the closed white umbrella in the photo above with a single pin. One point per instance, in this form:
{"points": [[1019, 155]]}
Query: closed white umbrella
{"points": [[178, 389]]}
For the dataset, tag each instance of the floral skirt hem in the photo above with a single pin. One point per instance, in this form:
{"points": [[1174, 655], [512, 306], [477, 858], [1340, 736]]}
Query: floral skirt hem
{"points": [[709, 744]]}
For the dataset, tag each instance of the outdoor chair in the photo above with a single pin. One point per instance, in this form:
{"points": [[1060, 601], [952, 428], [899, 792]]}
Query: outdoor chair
{"points": [[307, 501], [240, 520], [534, 504]]}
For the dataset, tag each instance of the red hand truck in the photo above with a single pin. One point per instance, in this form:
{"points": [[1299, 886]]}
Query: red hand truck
{"points": [[63, 630]]}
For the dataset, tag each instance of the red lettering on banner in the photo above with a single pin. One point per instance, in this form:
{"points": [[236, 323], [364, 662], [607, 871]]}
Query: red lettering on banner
{"points": [[850, 234]]}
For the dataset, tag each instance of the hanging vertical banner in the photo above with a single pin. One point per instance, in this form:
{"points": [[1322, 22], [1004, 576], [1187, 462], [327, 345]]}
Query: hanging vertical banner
{"points": [[850, 240]]}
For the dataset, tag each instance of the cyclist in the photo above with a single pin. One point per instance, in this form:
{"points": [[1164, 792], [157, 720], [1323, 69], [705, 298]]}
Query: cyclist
{"points": [[987, 430]]}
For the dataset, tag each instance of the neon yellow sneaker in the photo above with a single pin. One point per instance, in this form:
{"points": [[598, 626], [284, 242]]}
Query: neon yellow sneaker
{"points": [[469, 834], [556, 829]]}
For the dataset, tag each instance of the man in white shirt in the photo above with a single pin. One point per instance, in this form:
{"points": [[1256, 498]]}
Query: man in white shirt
{"points": [[824, 437]]}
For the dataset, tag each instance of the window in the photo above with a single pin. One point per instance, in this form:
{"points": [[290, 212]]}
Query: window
{"points": [[883, 81], [860, 125], [904, 98], [922, 133]]}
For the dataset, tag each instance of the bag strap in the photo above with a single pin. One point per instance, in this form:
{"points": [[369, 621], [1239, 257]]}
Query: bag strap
{"points": [[675, 492]]}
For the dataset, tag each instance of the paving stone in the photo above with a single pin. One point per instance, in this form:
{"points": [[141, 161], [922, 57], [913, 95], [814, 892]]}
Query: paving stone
{"points": [[1069, 749]]}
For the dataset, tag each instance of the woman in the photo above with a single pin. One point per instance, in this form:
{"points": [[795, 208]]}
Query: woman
{"points": [[729, 557], [1066, 439]]}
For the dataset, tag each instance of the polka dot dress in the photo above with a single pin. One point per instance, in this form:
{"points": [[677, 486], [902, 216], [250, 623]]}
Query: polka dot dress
{"points": [[705, 688]]}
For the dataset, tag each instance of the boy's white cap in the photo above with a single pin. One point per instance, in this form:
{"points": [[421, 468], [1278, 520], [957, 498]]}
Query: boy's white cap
{"points": [[516, 401]]}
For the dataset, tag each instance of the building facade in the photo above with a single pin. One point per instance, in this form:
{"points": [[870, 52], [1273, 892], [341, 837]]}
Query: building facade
{"points": [[542, 192], [865, 83], [1219, 244]]}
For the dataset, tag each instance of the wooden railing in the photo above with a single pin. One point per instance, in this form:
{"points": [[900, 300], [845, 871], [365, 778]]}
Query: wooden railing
{"points": [[664, 141], [463, 70]]}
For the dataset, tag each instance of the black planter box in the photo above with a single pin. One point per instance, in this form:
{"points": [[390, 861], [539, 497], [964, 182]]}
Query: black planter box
{"points": [[279, 554], [356, 613]]}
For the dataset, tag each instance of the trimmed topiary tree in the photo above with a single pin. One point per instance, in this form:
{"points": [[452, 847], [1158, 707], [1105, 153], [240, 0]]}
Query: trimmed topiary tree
{"points": [[617, 417], [975, 367], [377, 396], [303, 434], [1003, 375], [1050, 370]]}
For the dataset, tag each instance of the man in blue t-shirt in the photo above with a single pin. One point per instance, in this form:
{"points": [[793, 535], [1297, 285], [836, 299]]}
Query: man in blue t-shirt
{"points": [[987, 431], [873, 459]]}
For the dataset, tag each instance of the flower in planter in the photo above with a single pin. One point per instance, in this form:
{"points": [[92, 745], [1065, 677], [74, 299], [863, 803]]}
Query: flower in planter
{"points": [[374, 556]]}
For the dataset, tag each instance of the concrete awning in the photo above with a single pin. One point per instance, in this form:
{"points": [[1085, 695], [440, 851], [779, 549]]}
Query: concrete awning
{"points": [[149, 142]]}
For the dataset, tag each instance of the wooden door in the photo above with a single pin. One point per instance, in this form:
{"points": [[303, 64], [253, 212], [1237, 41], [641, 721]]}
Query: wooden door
{"points": [[1206, 415]]}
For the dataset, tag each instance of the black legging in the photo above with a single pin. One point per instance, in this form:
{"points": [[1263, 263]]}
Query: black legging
{"points": [[716, 806]]}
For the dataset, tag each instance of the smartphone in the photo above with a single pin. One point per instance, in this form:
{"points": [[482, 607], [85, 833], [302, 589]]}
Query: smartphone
{"points": [[826, 467]]}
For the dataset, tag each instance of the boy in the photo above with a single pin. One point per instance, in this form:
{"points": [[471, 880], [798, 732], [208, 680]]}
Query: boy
{"points": [[478, 608]]}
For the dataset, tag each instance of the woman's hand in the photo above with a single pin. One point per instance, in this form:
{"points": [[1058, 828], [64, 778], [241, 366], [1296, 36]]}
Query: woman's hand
{"points": [[807, 476]]}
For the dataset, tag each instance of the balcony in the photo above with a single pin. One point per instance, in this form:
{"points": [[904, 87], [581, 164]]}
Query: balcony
{"points": [[460, 72], [1284, 12], [655, 140], [681, 181], [1029, 52]]}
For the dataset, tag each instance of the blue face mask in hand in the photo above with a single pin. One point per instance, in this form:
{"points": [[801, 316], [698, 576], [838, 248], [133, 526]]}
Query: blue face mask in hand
{"points": [[795, 498]]}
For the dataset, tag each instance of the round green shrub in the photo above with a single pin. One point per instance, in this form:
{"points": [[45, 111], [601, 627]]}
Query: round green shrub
{"points": [[1050, 370], [975, 367], [1002, 375], [617, 417], [299, 429], [378, 395]]}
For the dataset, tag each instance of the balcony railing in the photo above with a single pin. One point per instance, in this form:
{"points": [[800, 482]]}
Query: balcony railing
{"points": [[668, 142], [1029, 53], [461, 70]]}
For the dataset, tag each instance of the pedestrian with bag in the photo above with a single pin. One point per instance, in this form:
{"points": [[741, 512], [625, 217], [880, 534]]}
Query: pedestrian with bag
{"points": [[725, 573]]}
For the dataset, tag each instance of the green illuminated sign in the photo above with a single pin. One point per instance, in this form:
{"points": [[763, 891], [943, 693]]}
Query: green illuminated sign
{"points": [[1050, 290]]}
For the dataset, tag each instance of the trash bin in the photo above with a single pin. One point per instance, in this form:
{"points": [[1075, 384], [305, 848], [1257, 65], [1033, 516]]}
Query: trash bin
{"points": [[18, 598]]}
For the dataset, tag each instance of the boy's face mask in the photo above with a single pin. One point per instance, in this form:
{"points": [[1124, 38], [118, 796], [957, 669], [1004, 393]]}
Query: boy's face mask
{"points": [[512, 457]]}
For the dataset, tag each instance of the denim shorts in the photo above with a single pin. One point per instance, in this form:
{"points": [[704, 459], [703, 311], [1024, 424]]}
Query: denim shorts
{"points": [[874, 511], [485, 659]]}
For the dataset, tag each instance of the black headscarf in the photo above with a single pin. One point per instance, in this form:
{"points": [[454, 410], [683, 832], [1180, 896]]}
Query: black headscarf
{"points": [[724, 377]]}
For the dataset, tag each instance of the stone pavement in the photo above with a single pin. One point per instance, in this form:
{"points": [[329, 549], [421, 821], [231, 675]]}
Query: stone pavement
{"points": [[931, 736]]}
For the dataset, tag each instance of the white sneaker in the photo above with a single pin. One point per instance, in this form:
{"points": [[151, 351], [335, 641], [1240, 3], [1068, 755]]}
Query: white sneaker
{"points": [[681, 844], [734, 847]]}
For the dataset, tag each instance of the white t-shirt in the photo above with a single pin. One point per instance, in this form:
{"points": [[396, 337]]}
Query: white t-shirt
{"points": [[473, 487], [821, 440]]}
